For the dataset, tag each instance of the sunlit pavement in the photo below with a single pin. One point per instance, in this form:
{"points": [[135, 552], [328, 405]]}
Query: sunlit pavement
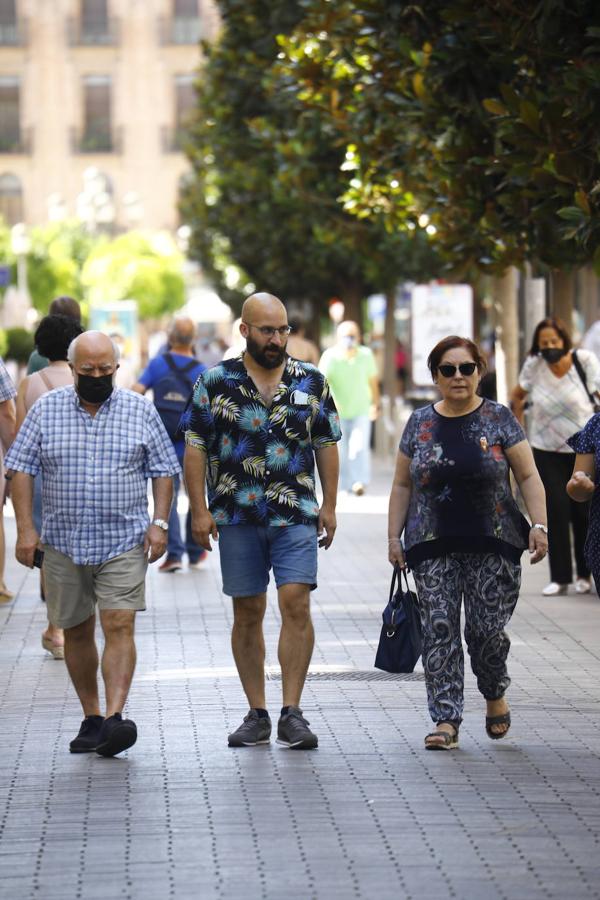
{"points": [[370, 814]]}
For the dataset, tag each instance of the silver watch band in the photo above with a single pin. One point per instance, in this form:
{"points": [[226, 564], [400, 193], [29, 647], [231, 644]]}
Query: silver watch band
{"points": [[541, 527], [161, 524]]}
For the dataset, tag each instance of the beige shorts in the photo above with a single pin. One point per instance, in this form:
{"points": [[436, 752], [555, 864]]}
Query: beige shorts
{"points": [[73, 592]]}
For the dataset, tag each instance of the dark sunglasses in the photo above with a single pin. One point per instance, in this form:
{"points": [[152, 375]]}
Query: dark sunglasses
{"points": [[449, 371]]}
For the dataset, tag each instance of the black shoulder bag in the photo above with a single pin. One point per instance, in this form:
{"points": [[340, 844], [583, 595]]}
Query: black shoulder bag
{"points": [[400, 640], [594, 399]]}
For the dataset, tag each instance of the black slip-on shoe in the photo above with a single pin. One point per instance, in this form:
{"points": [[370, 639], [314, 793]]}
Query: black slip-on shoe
{"points": [[117, 734], [89, 733]]}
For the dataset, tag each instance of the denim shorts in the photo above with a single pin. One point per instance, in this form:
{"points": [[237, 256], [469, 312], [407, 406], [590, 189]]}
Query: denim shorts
{"points": [[248, 552]]}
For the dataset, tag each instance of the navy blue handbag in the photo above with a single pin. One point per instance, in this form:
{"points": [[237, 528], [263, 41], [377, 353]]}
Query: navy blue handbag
{"points": [[400, 640]]}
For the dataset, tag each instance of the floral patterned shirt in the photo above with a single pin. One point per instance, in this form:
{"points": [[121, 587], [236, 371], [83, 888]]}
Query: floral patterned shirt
{"points": [[261, 459], [588, 441], [461, 500]]}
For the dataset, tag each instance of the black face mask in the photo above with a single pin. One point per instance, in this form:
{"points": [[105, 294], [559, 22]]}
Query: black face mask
{"points": [[94, 389], [553, 354]]}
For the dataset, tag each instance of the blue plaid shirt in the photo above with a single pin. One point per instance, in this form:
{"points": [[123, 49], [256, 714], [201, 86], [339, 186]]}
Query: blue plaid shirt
{"points": [[7, 388], [95, 470]]}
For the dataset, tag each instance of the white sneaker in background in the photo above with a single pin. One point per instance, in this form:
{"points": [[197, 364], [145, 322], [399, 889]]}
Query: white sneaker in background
{"points": [[583, 586], [552, 589]]}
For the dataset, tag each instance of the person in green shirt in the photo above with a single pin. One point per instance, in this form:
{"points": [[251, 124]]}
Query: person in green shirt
{"points": [[60, 306], [351, 371]]}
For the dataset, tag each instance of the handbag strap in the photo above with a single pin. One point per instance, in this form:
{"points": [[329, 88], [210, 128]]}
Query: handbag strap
{"points": [[582, 376], [397, 577]]}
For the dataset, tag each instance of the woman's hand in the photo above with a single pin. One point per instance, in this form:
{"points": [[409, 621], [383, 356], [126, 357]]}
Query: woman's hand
{"points": [[538, 544], [580, 486], [396, 553]]}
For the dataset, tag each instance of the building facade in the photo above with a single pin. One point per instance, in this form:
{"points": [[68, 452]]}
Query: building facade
{"points": [[94, 96]]}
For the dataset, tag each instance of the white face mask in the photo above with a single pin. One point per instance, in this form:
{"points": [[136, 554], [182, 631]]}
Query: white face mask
{"points": [[348, 341]]}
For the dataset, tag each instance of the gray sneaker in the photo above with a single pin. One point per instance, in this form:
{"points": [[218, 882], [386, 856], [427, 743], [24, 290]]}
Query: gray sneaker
{"points": [[251, 732], [293, 731]]}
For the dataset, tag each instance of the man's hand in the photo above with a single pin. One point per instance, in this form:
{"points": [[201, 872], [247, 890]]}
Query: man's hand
{"points": [[27, 543], [328, 524], [203, 528], [155, 542]]}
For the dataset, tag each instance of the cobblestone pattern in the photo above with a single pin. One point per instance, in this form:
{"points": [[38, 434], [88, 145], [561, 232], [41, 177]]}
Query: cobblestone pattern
{"points": [[368, 815]]}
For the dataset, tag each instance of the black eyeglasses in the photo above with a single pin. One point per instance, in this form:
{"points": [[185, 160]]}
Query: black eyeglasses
{"points": [[449, 371], [269, 332]]}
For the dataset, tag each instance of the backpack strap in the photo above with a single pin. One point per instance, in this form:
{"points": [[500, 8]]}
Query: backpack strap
{"points": [[583, 378], [183, 370]]}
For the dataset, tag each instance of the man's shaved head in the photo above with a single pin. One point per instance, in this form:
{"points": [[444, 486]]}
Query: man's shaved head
{"points": [[261, 304], [92, 343]]}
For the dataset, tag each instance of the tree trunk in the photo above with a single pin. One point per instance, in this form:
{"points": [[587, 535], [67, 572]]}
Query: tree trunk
{"points": [[351, 295], [389, 347], [562, 296], [506, 313]]}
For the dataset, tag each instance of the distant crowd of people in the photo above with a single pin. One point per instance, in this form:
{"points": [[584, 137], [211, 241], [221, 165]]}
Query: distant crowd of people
{"points": [[248, 433]]}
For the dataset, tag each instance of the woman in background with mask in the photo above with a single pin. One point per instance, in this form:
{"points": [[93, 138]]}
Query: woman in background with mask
{"points": [[560, 406]]}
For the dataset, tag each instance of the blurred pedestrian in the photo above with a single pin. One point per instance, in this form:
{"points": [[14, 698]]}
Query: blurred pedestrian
{"points": [[551, 382], [262, 420], [97, 445], [171, 377], [299, 346], [351, 371], [7, 435], [52, 339], [464, 534], [60, 306]]}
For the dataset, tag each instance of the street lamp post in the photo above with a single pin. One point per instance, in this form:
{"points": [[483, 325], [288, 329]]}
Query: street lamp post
{"points": [[94, 204], [21, 245]]}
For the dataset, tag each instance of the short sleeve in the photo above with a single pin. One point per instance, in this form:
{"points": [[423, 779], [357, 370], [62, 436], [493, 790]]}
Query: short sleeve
{"points": [[200, 431], [586, 440], [149, 375], [591, 367], [7, 388], [325, 427], [407, 441], [24, 454], [511, 430], [161, 460], [527, 373]]}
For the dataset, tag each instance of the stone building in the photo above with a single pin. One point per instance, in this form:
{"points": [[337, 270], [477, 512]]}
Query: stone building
{"points": [[93, 99]]}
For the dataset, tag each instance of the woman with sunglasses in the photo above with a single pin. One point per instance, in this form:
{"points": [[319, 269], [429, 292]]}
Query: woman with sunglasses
{"points": [[551, 381], [464, 534]]}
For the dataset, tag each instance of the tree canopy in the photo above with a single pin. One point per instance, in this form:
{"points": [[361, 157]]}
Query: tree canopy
{"points": [[268, 173], [483, 115]]}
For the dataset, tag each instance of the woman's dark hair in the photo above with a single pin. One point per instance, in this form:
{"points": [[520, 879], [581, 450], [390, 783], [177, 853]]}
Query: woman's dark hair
{"points": [[450, 343], [65, 306], [54, 334], [559, 327]]}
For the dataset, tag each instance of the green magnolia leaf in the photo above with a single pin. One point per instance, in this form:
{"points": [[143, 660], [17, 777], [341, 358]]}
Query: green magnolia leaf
{"points": [[495, 107]]}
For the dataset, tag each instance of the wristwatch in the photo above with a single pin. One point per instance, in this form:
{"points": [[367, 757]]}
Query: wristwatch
{"points": [[540, 527], [161, 524]]}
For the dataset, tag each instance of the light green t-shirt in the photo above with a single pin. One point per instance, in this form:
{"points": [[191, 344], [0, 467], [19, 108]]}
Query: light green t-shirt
{"points": [[348, 379]]}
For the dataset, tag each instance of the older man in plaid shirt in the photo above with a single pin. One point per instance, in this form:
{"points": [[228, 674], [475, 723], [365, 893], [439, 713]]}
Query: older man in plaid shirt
{"points": [[96, 446]]}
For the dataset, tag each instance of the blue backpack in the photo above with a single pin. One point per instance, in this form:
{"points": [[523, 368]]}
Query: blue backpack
{"points": [[171, 394]]}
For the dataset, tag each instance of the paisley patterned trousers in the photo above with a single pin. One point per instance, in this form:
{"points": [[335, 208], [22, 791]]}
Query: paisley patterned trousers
{"points": [[489, 585]]}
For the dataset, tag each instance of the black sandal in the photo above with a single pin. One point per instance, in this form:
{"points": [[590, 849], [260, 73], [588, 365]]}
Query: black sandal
{"points": [[449, 741], [504, 719]]}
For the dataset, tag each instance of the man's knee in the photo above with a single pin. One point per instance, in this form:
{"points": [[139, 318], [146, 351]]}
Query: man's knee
{"points": [[83, 632], [117, 623], [294, 604], [249, 612]]}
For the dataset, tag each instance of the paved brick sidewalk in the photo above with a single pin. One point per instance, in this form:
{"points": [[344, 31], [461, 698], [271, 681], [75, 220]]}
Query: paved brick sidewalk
{"points": [[368, 815]]}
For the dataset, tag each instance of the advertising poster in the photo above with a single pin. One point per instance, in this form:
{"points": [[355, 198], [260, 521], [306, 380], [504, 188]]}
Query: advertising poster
{"points": [[437, 310], [120, 322]]}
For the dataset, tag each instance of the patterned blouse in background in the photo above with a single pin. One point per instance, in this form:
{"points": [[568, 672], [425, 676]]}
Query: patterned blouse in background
{"points": [[461, 500], [588, 441], [559, 406], [261, 459], [7, 392]]}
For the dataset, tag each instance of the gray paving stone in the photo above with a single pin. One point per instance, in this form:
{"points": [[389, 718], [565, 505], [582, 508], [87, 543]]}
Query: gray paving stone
{"points": [[369, 814]]}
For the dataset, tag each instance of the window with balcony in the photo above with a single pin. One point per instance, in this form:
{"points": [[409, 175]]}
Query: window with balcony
{"points": [[9, 32], [97, 135], [183, 25], [11, 138], [11, 198], [185, 99], [94, 26]]}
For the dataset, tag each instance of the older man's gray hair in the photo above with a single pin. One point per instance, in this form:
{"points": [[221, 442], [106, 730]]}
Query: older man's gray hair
{"points": [[182, 332]]}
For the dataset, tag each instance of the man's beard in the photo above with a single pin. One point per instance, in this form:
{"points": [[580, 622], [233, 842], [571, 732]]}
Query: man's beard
{"points": [[259, 354]]}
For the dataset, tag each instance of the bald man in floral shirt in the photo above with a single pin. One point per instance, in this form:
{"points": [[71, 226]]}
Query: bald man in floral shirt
{"points": [[258, 424]]}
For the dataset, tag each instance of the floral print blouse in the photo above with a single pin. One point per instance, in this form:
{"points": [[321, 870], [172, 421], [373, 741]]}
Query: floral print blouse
{"points": [[461, 499], [261, 459]]}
